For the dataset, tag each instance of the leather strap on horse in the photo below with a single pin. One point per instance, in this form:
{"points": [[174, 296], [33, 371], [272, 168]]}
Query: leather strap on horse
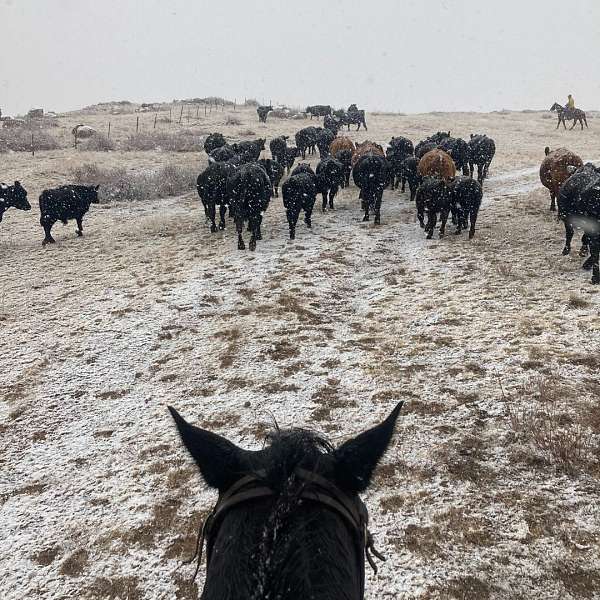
{"points": [[314, 487]]}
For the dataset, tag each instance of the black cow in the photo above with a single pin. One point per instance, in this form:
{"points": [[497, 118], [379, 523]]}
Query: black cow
{"points": [[324, 138], [433, 197], [319, 110], [332, 124], [430, 143], [569, 198], [481, 152], [330, 176], [458, 150], [306, 140], [278, 148], [345, 157], [221, 154], [291, 154], [354, 117], [303, 168], [398, 150], [274, 170], [249, 151], [249, 192], [212, 189], [65, 203], [410, 173], [371, 175], [214, 140], [589, 210], [299, 193], [14, 196], [263, 111], [465, 200]]}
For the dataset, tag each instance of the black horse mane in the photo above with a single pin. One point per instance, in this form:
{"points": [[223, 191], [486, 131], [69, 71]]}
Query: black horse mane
{"points": [[287, 449]]}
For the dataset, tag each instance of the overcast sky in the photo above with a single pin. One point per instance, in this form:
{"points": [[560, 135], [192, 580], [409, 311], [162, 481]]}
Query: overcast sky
{"points": [[410, 56]]}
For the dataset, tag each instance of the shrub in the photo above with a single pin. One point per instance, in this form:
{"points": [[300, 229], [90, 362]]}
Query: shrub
{"points": [[97, 143], [19, 140], [178, 141], [120, 184], [251, 102]]}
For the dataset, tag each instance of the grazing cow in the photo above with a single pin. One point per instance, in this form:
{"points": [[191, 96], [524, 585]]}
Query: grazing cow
{"points": [[354, 117], [398, 150], [274, 170], [569, 199], [371, 175], [465, 200], [410, 173], [65, 203], [433, 197], [212, 189], [249, 192], [345, 157], [365, 148], [330, 176], [249, 151], [82, 132], [556, 168], [306, 140], [319, 110], [437, 163], [289, 522], [291, 154], [14, 196], [458, 150], [299, 193], [278, 148], [214, 140], [263, 111], [221, 154], [332, 124], [324, 139], [481, 152]]}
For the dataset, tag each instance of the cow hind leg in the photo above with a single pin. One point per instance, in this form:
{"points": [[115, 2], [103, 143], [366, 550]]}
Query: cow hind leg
{"points": [[444, 220], [595, 256], [240, 228], [552, 201], [332, 194], [585, 245], [569, 231], [473, 219], [79, 230]]}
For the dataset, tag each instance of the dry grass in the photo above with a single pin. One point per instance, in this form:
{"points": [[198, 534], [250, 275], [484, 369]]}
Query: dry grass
{"points": [[543, 413], [232, 120], [120, 184], [576, 301], [19, 140], [97, 143], [178, 141]]}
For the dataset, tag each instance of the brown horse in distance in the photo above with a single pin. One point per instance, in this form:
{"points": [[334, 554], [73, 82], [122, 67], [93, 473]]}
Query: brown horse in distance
{"points": [[574, 115]]}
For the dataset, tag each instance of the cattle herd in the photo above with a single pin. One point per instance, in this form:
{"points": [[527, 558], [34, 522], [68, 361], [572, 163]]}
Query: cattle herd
{"points": [[239, 180]]}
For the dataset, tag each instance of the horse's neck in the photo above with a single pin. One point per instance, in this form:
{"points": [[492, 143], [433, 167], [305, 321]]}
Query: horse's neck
{"points": [[315, 556]]}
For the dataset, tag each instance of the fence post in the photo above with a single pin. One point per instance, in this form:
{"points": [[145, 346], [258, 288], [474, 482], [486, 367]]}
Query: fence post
{"points": [[234, 104], [76, 130], [155, 117], [171, 115], [181, 114], [137, 124], [108, 136], [197, 109], [205, 109], [32, 146]]}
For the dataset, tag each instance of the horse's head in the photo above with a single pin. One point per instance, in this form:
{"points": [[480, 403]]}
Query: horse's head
{"points": [[288, 522], [556, 106]]}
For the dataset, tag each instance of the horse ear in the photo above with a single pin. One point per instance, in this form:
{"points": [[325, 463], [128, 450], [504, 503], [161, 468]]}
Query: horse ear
{"points": [[17, 184], [219, 460], [547, 150], [97, 187], [357, 458]]}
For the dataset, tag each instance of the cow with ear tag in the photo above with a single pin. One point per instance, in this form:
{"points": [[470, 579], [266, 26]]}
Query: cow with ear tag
{"points": [[289, 522], [14, 196]]}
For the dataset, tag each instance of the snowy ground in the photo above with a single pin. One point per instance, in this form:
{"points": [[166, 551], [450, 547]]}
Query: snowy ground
{"points": [[99, 500]]}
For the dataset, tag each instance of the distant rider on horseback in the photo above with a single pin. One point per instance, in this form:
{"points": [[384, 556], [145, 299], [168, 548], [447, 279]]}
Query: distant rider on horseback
{"points": [[570, 105]]}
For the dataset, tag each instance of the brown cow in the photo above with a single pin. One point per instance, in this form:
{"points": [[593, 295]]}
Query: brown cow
{"points": [[437, 163], [341, 143], [364, 148], [556, 168]]}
